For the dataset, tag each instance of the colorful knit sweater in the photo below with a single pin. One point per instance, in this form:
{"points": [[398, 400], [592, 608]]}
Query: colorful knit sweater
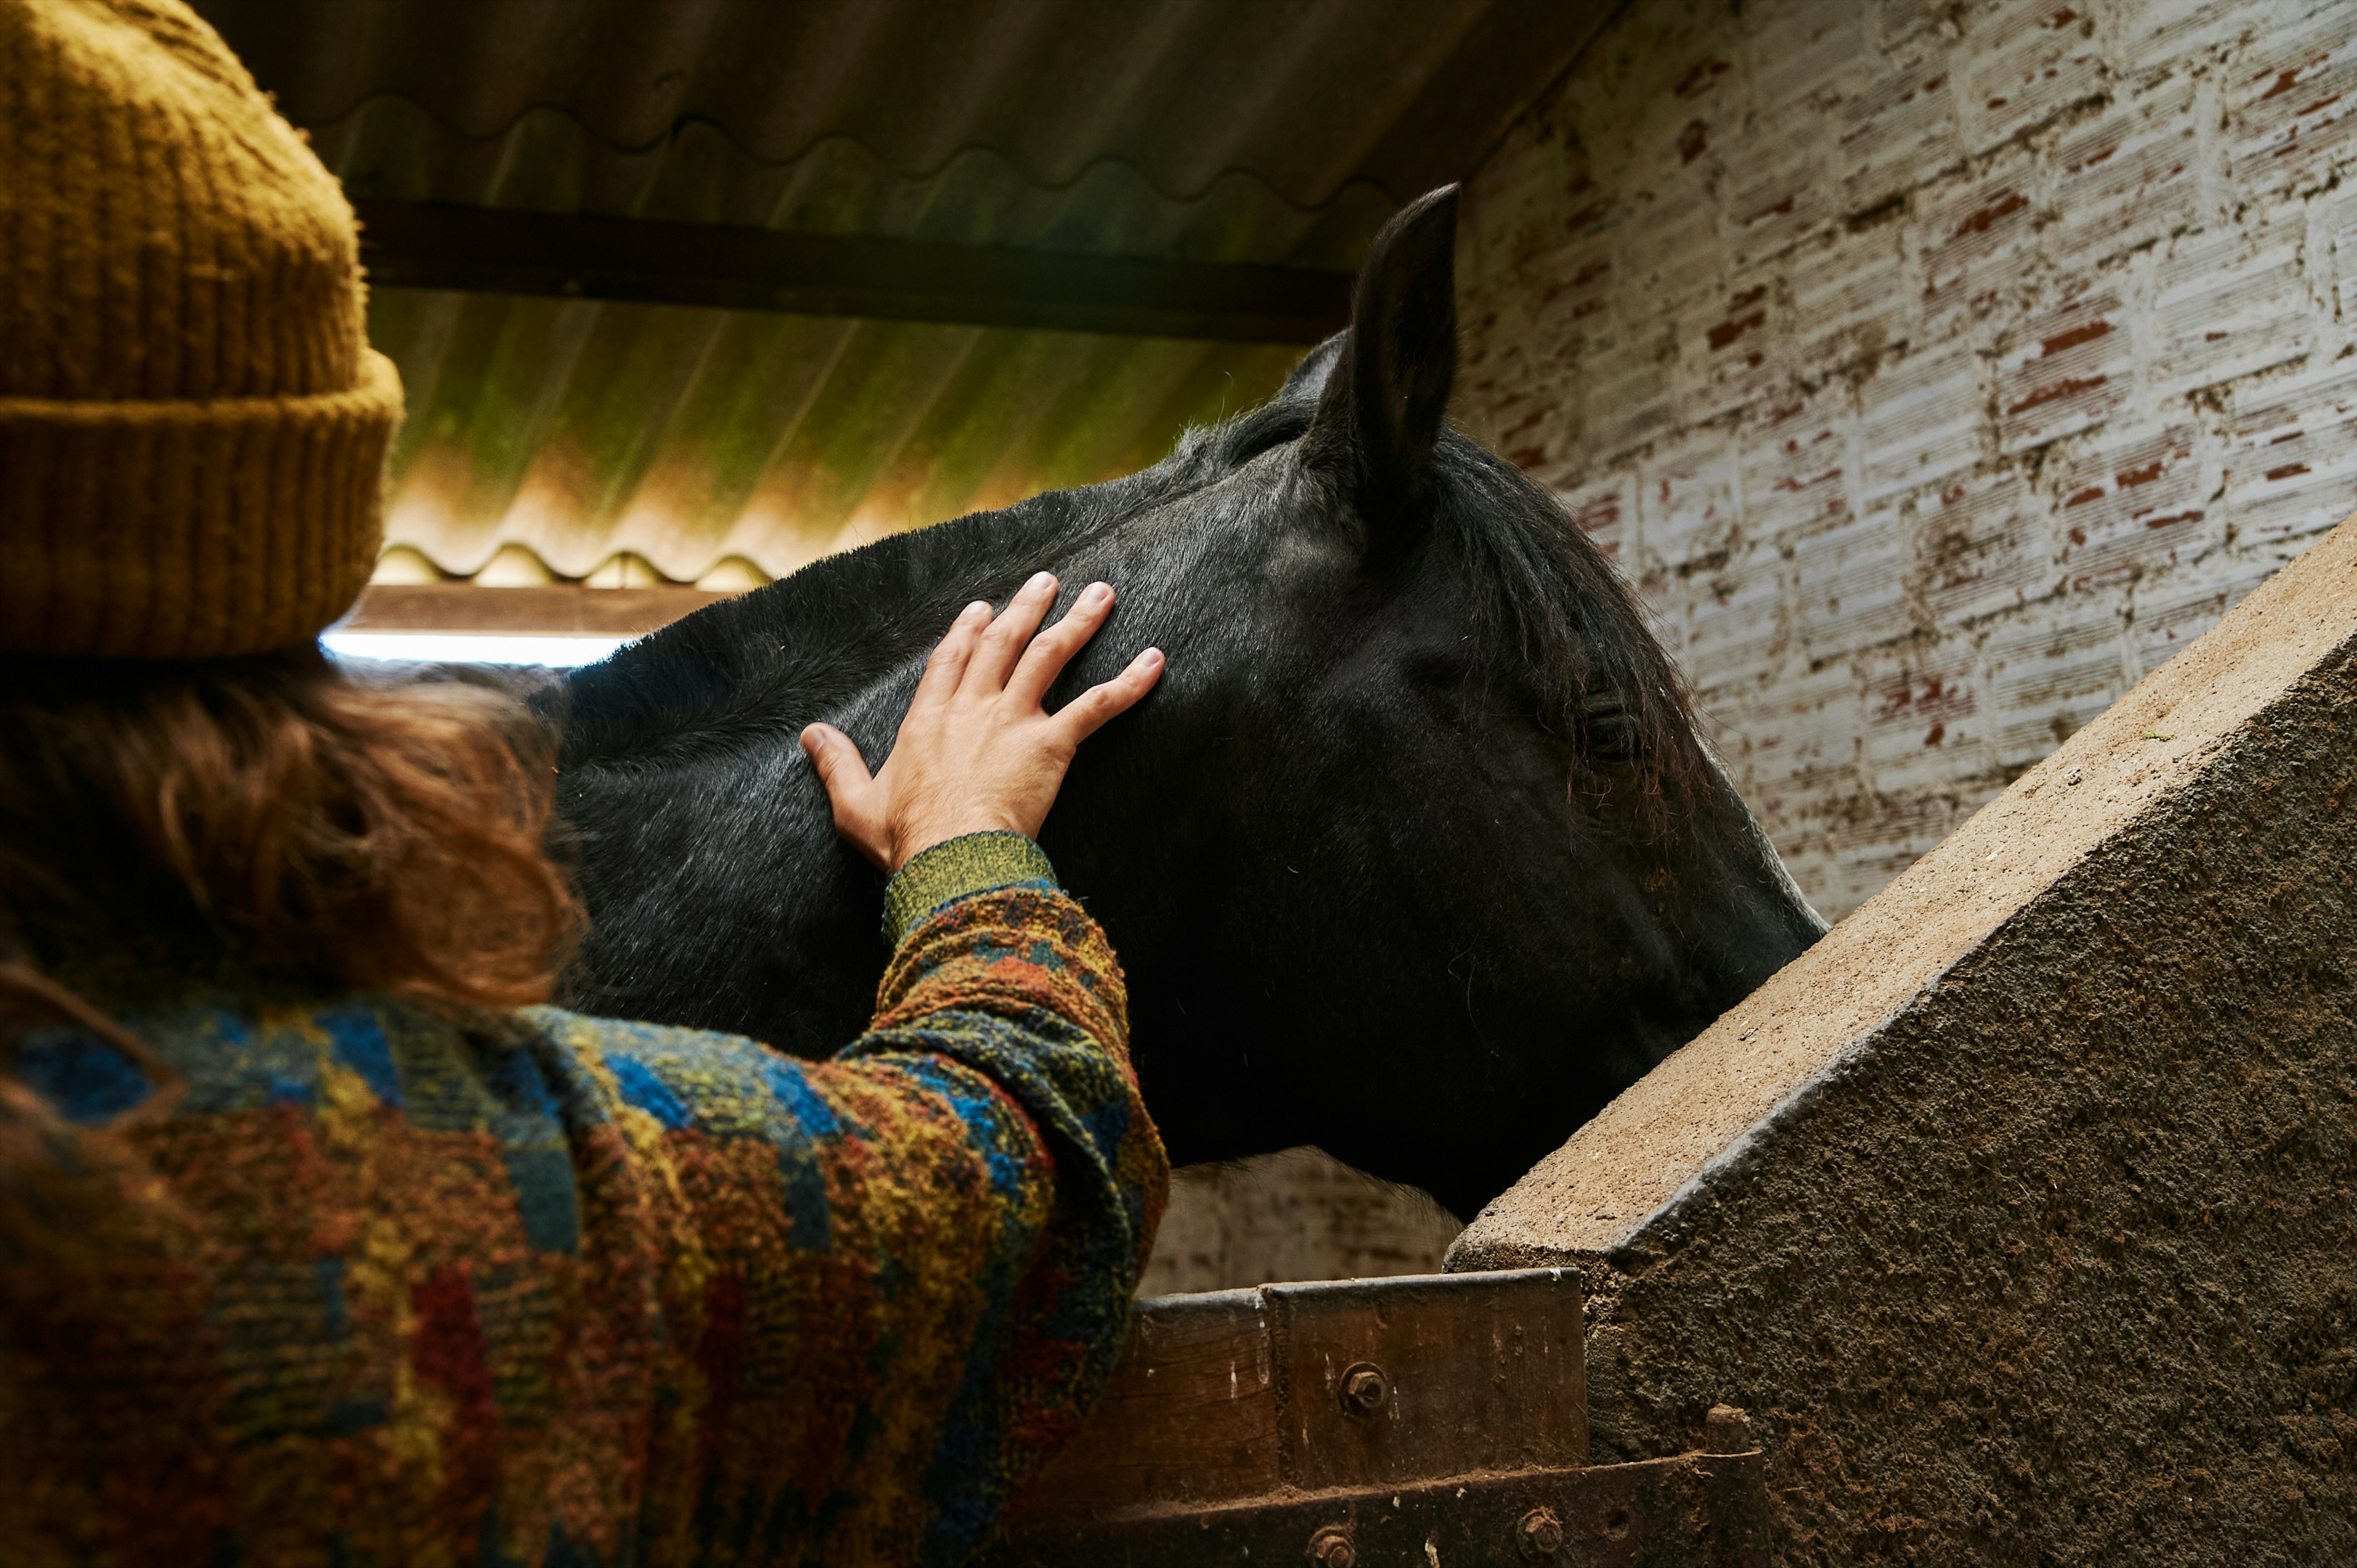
{"points": [[395, 1286]]}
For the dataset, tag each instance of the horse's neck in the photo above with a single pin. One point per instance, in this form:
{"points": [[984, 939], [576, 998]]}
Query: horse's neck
{"points": [[814, 643]]}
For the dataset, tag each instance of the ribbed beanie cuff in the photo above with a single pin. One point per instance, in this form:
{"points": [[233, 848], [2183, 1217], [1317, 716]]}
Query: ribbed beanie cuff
{"points": [[190, 529], [192, 426]]}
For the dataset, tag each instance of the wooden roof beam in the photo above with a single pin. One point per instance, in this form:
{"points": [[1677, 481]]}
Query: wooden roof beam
{"points": [[425, 244]]}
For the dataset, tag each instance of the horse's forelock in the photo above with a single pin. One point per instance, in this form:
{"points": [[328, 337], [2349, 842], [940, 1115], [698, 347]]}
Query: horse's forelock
{"points": [[1552, 601]]}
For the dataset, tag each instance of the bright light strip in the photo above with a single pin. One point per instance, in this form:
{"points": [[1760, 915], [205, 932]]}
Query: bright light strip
{"points": [[447, 648]]}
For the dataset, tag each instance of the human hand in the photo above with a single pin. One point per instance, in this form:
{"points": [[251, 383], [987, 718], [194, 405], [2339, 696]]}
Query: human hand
{"points": [[976, 751]]}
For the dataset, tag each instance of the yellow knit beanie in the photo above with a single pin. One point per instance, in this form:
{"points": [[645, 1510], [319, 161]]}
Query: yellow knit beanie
{"points": [[192, 426]]}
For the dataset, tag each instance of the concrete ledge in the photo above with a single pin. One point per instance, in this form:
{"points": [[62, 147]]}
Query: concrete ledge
{"points": [[2017, 1210]]}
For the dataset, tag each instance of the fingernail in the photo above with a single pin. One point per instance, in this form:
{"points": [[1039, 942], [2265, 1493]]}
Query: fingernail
{"points": [[979, 607], [1097, 594], [1148, 659], [813, 740], [1040, 584]]}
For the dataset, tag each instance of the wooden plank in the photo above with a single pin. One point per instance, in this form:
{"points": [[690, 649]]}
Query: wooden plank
{"points": [[558, 608], [1234, 1393], [1241, 1429], [1190, 1416], [1402, 1380], [423, 245]]}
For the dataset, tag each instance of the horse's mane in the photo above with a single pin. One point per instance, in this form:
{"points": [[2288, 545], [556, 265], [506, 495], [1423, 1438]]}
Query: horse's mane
{"points": [[765, 663], [1552, 601]]}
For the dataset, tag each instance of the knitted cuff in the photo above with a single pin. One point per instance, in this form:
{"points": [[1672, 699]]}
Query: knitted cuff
{"points": [[960, 868]]}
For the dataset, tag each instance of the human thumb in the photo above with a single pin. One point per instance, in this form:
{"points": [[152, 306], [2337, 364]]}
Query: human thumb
{"points": [[849, 788], [837, 758]]}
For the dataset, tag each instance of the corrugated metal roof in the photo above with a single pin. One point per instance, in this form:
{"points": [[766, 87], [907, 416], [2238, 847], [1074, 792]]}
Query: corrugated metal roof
{"points": [[700, 440], [578, 430]]}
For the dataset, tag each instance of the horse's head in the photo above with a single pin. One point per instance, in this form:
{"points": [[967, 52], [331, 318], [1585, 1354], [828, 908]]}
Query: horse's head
{"points": [[1412, 853], [1415, 854]]}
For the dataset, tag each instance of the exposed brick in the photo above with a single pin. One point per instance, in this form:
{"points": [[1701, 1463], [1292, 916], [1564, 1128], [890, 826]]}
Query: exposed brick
{"points": [[1626, 390], [1800, 738], [2182, 37], [2291, 470], [2064, 370], [2026, 63], [1899, 132], [1910, 21], [1778, 192], [1686, 502], [1802, 51], [2341, 235], [1675, 255], [2044, 385], [2129, 509], [1852, 296], [1568, 300], [1795, 462], [1524, 419], [1732, 347], [1606, 510], [2292, 104], [2127, 178], [1978, 234], [1924, 723], [1982, 550]]}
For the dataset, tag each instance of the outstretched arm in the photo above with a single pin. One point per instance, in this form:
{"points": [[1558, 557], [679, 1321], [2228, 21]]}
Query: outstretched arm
{"points": [[893, 1282]]}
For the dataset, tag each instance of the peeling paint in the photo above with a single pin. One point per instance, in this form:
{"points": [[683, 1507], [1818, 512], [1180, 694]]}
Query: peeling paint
{"points": [[2009, 349]]}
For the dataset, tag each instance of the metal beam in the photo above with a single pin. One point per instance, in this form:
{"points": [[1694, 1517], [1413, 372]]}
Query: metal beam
{"points": [[424, 244]]}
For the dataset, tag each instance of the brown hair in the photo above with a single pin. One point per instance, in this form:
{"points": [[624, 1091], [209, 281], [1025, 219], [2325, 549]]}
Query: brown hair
{"points": [[281, 817]]}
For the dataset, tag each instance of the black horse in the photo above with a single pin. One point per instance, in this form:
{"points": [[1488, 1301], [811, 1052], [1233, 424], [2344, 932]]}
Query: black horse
{"points": [[1413, 855]]}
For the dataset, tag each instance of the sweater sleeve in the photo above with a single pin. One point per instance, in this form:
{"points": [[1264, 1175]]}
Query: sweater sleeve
{"points": [[891, 1284]]}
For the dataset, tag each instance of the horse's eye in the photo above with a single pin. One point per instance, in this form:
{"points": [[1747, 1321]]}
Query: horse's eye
{"points": [[1607, 734]]}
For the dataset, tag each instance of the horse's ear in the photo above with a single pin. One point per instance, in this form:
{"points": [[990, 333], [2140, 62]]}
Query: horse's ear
{"points": [[1379, 411]]}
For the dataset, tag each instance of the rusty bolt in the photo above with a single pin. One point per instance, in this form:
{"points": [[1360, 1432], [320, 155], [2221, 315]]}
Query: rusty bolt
{"points": [[1726, 1430], [1365, 1389], [1539, 1535], [1331, 1548]]}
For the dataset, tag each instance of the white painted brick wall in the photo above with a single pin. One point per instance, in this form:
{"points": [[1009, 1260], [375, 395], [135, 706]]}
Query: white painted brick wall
{"points": [[1295, 1215], [1935, 369]]}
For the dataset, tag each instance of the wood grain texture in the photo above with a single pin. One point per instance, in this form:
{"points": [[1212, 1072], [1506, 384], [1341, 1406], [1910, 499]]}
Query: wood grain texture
{"points": [[1478, 1380], [560, 607], [1191, 1415]]}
